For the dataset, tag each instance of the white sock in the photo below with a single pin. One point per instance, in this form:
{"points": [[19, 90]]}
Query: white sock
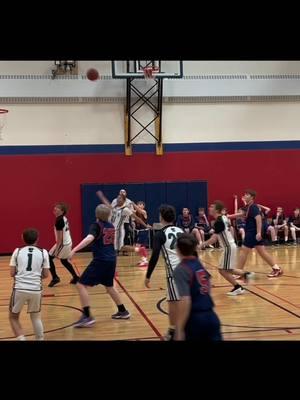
{"points": [[286, 238], [276, 239], [37, 325], [144, 259], [21, 337], [275, 266]]}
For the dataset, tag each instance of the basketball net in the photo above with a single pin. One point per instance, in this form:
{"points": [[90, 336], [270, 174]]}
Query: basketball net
{"points": [[150, 72], [3, 115]]}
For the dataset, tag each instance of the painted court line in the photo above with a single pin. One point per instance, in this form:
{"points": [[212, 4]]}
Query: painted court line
{"points": [[149, 322]]}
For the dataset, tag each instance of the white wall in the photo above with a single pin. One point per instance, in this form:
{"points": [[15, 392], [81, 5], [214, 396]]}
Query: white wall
{"points": [[103, 123], [63, 124], [190, 67], [45, 67]]}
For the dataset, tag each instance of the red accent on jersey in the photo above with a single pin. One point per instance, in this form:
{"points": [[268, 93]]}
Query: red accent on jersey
{"points": [[108, 236]]}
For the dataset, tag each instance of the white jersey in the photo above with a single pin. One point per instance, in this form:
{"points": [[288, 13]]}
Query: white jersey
{"points": [[128, 204], [62, 224], [225, 237], [119, 215], [227, 221], [29, 262], [171, 234]]}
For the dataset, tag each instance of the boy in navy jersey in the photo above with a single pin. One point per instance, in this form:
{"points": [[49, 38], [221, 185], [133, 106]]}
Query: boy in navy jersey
{"points": [[294, 222], [195, 317], [280, 224], [102, 268], [266, 227], [187, 224], [253, 235]]}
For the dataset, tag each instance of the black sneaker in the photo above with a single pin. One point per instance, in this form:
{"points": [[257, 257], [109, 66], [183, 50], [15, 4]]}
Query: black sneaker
{"points": [[74, 280], [236, 291], [54, 282], [121, 315], [169, 336]]}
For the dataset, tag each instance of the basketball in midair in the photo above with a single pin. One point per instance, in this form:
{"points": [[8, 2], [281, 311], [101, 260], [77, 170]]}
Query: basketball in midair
{"points": [[92, 74]]}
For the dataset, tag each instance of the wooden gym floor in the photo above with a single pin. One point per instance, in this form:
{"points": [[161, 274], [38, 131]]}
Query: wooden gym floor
{"points": [[269, 310]]}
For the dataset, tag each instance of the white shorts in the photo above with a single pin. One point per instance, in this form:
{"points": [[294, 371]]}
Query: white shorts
{"points": [[63, 252], [21, 297], [172, 291], [229, 258], [119, 238]]}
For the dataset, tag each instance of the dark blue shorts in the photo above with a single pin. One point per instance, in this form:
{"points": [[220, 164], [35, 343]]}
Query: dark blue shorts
{"points": [[203, 326], [265, 227], [99, 273], [241, 226], [250, 241], [204, 228]]}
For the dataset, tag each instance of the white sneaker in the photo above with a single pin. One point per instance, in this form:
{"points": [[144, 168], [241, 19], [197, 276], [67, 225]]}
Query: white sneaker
{"points": [[143, 264], [236, 292]]}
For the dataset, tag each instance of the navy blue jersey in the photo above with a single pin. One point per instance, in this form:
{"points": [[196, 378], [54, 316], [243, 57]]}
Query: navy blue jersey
{"points": [[251, 213], [193, 280], [200, 222], [295, 220], [185, 222], [264, 214], [280, 220], [240, 223], [103, 246]]}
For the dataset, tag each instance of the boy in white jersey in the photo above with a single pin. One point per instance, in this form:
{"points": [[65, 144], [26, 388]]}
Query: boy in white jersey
{"points": [[227, 244], [165, 240], [28, 266], [63, 244], [119, 214]]}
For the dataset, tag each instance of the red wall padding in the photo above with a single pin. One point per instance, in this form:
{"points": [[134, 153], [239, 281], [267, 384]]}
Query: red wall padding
{"points": [[31, 184]]}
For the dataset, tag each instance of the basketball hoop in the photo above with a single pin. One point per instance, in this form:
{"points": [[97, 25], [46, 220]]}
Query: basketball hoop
{"points": [[150, 72], [3, 115]]}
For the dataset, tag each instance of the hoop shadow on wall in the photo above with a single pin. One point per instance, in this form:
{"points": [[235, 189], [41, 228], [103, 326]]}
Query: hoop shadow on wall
{"points": [[179, 194]]}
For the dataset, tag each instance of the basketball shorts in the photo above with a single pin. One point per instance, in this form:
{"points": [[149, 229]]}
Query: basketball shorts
{"points": [[241, 226], [99, 273], [21, 297], [119, 238], [251, 242], [172, 291], [203, 326], [228, 258], [204, 228], [63, 252]]}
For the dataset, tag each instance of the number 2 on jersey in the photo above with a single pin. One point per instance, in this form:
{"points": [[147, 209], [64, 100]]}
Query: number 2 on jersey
{"points": [[174, 238]]}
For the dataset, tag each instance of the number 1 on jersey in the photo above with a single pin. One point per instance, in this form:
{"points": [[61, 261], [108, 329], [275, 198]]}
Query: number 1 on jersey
{"points": [[29, 262]]}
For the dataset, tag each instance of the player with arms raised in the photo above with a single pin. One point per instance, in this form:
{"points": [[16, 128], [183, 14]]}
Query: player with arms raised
{"points": [[102, 268]]}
